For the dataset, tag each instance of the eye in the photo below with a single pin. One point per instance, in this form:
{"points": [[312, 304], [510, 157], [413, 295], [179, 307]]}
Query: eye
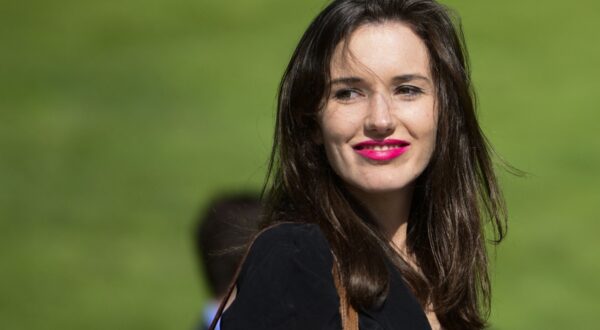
{"points": [[408, 91], [346, 94]]}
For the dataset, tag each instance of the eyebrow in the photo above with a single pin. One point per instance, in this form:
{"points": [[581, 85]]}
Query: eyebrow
{"points": [[346, 80], [410, 77], [397, 79]]}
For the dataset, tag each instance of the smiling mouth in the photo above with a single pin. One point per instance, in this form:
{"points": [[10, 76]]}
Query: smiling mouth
{"points": [[385, 150], [378, 147]]}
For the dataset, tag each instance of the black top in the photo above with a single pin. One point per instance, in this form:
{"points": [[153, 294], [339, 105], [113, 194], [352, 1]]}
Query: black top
{"points": [[286, 283]]}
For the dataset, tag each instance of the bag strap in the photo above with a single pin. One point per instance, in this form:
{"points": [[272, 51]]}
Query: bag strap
{"points": [[232, 287], [347, 312]]}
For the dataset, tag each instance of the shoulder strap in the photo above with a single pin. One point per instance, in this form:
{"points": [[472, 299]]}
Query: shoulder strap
{"points": [[225, 299], [347, 312]]}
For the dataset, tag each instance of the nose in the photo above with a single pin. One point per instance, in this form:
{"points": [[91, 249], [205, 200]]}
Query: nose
{"points": [[379, 120]]}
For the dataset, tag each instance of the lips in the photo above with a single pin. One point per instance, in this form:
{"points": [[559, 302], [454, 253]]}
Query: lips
{"points": [[384, 150]]}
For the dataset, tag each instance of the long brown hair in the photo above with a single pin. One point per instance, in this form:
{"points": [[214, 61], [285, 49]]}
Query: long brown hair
{"points": [[453, 197]]}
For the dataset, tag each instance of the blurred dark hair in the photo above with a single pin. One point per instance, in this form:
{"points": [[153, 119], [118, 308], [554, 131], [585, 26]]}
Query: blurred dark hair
{"points": [[453, 197], [221, 235]]}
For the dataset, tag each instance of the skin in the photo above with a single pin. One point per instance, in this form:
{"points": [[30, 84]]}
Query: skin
{"points": [[378, 95], [381, 89]]}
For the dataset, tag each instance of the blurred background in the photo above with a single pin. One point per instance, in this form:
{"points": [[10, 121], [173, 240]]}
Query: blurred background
{"points": [[119, 120]]}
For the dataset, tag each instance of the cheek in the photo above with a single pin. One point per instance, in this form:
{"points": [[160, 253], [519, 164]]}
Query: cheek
{"points": [[338, 127], [422, 127], [421, 122]]}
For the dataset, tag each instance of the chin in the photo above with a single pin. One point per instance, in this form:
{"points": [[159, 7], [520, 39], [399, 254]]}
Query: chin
{"points": [[381, 187]]}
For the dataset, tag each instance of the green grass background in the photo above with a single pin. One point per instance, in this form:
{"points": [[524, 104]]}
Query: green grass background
{"points": [[120, 119]]}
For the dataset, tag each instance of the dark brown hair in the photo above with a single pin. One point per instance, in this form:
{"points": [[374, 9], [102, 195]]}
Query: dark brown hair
{"points": [[453, 197]]}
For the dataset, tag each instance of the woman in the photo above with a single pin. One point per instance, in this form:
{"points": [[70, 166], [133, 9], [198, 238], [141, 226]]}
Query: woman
{"points": [[380, 172]]}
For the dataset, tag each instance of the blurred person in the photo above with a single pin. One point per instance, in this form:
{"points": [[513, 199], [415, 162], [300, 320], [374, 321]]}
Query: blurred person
{"points": [[380, 182], [220, 238]]}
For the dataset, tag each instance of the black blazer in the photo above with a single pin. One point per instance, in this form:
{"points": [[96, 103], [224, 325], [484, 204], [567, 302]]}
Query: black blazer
{"points": [[286, 283]]}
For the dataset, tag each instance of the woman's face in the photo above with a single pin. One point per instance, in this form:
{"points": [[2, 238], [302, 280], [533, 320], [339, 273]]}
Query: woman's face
{"points": [[378, 125]]}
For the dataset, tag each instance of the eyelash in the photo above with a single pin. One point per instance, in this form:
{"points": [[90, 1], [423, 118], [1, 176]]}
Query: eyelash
{"points": [[342, 94], [409, 91]]}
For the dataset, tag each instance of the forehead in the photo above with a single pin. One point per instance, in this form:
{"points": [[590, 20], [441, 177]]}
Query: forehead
{"points": [[388, 48]]}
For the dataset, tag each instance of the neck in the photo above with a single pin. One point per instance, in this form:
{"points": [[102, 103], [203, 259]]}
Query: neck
{"points": [[390, 210]]}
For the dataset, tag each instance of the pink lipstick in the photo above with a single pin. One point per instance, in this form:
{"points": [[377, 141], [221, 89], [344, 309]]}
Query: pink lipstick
{"points": [[381, 150]]}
